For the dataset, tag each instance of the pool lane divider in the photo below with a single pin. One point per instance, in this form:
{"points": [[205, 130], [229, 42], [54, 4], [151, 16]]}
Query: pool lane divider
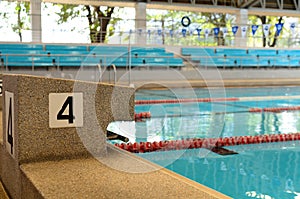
{"points": [[274, 109], [142, 115], [174, 101], [207, 143], [188, 100]]}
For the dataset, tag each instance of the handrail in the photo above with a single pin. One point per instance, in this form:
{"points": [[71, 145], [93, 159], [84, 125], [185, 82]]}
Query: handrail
{"points": [[115, 73], [100, 72]]}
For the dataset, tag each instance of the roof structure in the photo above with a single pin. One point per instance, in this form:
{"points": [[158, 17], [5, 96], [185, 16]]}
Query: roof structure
{"points": [[254, 7]]}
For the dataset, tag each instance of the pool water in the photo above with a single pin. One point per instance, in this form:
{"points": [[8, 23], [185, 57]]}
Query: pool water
{"points": [[216, 119], [258, 170], [270, 171]]}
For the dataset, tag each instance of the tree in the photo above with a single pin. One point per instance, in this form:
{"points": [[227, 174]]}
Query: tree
{"points": [[99, 17], [21, 9], [172, 20], [270, 20], [218, 20]]}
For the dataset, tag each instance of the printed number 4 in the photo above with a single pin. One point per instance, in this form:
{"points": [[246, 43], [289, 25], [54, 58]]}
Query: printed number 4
{"points": [[10, 138], [70, 117]]}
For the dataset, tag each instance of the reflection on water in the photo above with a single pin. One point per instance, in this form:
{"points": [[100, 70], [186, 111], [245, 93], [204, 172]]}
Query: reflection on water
{"points": [[269, 171], [210, 125]]}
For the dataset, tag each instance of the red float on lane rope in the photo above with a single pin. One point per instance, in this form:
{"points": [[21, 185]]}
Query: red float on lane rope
{"points": [[174, 101], [209, 143], [275, 109], [142, 115]]}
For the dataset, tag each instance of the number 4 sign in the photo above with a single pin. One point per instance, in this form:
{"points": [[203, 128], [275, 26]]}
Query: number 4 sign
{"points": [[65, 110], [10, 123]]}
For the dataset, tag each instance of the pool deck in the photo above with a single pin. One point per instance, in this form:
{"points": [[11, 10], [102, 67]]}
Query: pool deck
{"points": [[187, 77], [89, 178], [193, 77]]}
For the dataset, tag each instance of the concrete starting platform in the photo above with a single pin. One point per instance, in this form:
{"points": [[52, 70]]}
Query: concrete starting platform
{"points": [[53, 144]]}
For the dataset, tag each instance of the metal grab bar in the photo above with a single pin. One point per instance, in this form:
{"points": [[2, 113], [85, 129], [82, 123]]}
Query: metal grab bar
{"points": [[101, 72], [115, 72]]}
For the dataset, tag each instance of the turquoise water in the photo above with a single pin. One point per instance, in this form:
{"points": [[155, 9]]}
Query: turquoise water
{"points": [[268, 171], [216, 119], [257, 171]]}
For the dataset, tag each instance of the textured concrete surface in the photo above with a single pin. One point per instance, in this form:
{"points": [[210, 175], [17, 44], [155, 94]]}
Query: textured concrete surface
{"points": [[35, 141], [89, 178], [3, 194]]}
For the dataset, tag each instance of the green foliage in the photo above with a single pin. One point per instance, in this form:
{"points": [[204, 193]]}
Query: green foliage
{"points": [[22, 10], [272, 39], [171, 20], [99, 19], [68, 12]]}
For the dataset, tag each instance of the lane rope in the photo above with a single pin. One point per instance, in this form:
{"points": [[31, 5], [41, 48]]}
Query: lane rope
{"points": [[173, 101], [208, 143], [274, 109], [230, 99], [141, 115]]}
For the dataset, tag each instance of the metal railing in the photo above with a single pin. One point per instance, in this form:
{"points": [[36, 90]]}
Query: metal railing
{"points": [[249, 61]]}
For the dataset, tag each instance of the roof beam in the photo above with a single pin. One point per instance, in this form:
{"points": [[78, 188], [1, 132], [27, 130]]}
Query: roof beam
{"points": [[280, 4], [248, 3], [263, 3], [233, 2], [273, 12], [215, 2], [188, 7], [296, 4]]}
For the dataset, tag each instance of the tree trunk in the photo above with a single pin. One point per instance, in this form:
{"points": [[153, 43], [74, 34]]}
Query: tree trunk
{"points": [[163, 28], [19, 23], [275, 36], [263, 21], [98, 22]]}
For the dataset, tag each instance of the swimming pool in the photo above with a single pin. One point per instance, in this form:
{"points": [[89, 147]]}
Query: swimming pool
{"points": [[267, 170]]}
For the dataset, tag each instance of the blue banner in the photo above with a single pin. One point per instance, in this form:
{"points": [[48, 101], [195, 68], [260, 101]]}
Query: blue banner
{"points": [[198, 31], [191, 32], [234, 29], [183, 32], [171, 33], [159, 32], [254, 29], [140, 31], [149, 33], [293, 25], [293, 28], [216, 31], [279, 27]]}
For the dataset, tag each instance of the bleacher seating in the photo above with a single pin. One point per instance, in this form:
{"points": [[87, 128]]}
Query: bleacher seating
{"points": [[50, 55], [242, 58], [72, 56]]}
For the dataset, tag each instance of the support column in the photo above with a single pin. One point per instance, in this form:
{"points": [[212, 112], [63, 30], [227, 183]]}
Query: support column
{"points": [[241, 20], [36, 20], [140, 23]]}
